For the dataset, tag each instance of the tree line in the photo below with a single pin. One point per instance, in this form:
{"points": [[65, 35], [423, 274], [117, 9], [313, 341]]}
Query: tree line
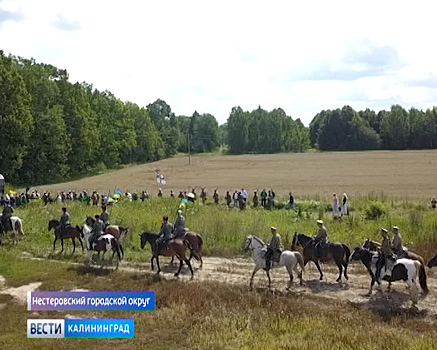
{"points": [[53, 130], [396, 129]]}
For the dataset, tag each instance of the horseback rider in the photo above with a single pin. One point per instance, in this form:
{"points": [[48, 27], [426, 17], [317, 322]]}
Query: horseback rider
{"points": [[273, 248], [320, 239], [215, 196], [64, 221], [385, 254], [165, 234], [97, 230], [179, 225], [6, 217], [397, 246], [104, 216]]}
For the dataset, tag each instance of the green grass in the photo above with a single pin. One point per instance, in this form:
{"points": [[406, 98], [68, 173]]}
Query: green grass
{"points": [[224, 230]]}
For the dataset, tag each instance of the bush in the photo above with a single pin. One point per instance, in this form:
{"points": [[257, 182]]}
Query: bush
{"points": [[375, 210]]}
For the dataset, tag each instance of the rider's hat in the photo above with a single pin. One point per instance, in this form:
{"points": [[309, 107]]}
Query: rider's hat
{"points": [[383, 230], [165, 218], [395, 228], [273, 228], [320, 222], [63, 208], [179, 211]]}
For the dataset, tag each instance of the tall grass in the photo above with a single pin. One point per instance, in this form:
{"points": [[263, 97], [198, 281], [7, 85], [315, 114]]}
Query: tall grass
{"points": [[224, 229]]}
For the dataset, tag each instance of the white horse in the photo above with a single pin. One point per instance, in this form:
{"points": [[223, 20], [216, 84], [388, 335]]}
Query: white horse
{"points": [[289, 259], [17, 226]]}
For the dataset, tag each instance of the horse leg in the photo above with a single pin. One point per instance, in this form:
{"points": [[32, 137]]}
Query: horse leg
{"points": [[180, 268], [157, 263], [268, 275], [340, 269], [81, 244], [74, 245], [172, 259], [201, 261], [62, 245], [299, 274], [318, 268], [151, 261], [253, 275], [190, 267], [290, 272], [54, 243], [344, 263]]}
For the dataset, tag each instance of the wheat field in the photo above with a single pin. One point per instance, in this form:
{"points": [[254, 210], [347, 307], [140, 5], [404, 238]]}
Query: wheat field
{"points": [[398, 174]]}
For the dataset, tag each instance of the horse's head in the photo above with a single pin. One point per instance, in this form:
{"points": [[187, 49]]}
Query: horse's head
{"points": [[147, 236], [53, 224], [248, 243], [433, 261], [90, 221], [123, 229], [357, 254]]}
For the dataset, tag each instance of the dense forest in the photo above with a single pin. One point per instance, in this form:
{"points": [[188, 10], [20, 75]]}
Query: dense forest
{"points": [[53, 130]]}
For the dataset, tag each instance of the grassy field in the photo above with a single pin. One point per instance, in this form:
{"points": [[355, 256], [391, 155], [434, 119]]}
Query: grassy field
{"points": [[396, 174], [210, 315]]}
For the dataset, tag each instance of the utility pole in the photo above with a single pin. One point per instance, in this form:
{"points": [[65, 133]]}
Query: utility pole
{"points": [[189, 148]]}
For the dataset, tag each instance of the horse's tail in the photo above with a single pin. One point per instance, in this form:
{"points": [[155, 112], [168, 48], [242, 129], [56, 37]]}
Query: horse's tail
{"points": [[117, 246], [192, 251], [347, 252], [200, 239], [299, 258], [121, 249], [422, 277], [19, 227]]}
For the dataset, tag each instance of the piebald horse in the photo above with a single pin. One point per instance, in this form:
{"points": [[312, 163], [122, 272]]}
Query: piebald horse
{"points": [[105, 243], [291, 260], [16, 225], [406, 270], [113, 230]]}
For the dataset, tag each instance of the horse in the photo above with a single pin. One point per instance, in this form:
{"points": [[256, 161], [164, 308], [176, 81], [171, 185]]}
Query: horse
{"points": [[70, 231], [115, 245], [406, 270], [196, 242], [16, 226], [174, 247], [113, 230], [376, 246], [338, 251], [291, 260], [433, 262]]}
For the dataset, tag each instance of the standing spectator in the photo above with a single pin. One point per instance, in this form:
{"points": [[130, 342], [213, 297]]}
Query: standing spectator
{"points": [[255, 199], [344, 209], [433, 203], [203, 195], [171, 194], [335, 211], [290, 201], [263, 197], [228, 199], [160, 193], [244, 194], [240, 200], [181, 195], [215, 196], [129, 196], [235, 198]]}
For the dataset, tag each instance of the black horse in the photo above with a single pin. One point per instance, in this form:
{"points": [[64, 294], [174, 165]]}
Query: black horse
{"points": [[338, 252]]}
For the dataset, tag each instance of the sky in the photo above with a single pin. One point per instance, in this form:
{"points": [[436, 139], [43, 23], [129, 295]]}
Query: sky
{"points": [[205, 56]]}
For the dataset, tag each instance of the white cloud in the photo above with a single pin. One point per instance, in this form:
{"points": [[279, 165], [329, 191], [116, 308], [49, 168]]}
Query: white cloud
{"points": [[210, 57]]}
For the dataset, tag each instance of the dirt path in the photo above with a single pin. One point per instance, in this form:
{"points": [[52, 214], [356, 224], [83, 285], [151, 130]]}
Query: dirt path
{"points": [[238, 271], [396, 302]]}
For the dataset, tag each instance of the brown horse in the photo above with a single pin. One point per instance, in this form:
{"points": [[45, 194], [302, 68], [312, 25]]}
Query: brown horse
{"points": [[375, 247], [196, 242], [69, 231], [175, 247], [113, 230]]}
